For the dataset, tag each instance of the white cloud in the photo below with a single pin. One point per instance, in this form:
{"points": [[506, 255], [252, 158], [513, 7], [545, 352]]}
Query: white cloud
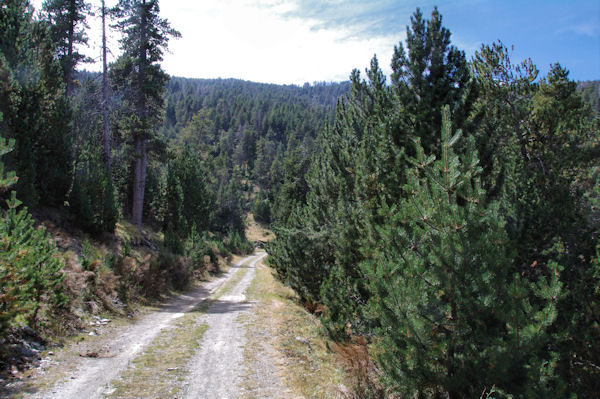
{"points": [[252, 40], [240, 39], [589, 28]]}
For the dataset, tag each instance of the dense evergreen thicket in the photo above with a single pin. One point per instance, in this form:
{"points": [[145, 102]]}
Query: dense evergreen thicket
{"points": [[30, 265], [35, 107], [449, 216]]}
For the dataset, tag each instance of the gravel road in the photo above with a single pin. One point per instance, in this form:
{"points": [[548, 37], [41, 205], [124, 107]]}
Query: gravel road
{"points": [[217, 368], [92, 378]]}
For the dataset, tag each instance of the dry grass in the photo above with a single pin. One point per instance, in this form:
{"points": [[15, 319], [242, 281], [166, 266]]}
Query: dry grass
{"points": [[257, 232], [304, 362], [363, 374], [126, 231], [159, 371], [230, 284]]}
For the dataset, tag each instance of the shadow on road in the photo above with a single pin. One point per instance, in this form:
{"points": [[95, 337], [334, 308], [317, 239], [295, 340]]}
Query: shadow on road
{"points": [[224, 306]]}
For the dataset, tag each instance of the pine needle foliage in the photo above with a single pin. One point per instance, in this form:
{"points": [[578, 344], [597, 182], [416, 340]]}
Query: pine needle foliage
{"points": [[92, 198], [30, 275], [452, 317]]}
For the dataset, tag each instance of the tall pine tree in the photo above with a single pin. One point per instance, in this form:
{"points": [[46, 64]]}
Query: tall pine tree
{"points": [[67, 19], [428, 75], [36, 111], [138, 73]]}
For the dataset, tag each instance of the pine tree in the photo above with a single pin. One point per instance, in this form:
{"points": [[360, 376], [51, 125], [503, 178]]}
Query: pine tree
{"points": [[16, 30], [92, 200], [36, 111], [105, 108], [29, 265], [453, 319], [139, 75], [362, 160], [317, 249], [173, 225], [67, 19], [428, 75], [197, 200], [537, 144], [6, 179]]}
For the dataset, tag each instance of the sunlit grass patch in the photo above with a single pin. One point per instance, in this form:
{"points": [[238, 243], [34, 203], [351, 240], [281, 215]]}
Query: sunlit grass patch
{"points": [[304, 363], [256, 231]]}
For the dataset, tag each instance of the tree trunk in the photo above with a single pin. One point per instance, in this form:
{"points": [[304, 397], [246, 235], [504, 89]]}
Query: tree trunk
{"points": [[141, 156], [139, 181], [107, 158], [69, 66]]}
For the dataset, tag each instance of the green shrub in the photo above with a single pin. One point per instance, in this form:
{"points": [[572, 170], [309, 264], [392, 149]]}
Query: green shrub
{"points": [[172, 241], [89, 254], [92, 199], [196, 249], [238, 243], [30, 268], [222, 250], [126, 248], [261, 209]]}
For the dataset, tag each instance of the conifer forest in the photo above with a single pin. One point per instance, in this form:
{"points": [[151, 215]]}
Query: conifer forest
{"points": [[445, 217]]}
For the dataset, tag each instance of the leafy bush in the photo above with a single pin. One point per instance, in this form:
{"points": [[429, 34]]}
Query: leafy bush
{"points": [[196, 248], [89, 254], [219, 248], [166, 271]]}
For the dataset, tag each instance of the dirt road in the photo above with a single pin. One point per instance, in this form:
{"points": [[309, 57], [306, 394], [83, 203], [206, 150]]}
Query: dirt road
{"points": [[215, 370]]}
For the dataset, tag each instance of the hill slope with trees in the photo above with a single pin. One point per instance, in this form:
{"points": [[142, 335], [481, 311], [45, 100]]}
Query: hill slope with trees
{"points": [[90, 152]]}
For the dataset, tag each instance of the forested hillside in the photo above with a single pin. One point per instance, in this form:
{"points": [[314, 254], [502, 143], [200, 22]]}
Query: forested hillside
{"points": [[259, 131], [241, 133], [241, 103]]}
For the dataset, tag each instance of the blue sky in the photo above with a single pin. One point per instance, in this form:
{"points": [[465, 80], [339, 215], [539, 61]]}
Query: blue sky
{"points": [[297, 41], [567, 31]]}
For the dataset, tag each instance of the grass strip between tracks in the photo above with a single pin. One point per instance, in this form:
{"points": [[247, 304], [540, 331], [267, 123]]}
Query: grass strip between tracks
{"points": [[159, 371]]}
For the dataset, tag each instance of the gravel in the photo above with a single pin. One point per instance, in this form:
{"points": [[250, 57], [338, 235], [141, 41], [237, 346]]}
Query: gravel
{"points": [[92, 378], [217, 369]]}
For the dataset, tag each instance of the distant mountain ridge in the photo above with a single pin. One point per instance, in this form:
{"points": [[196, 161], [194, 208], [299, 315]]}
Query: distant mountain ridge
{"points": [[246, 102]]}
